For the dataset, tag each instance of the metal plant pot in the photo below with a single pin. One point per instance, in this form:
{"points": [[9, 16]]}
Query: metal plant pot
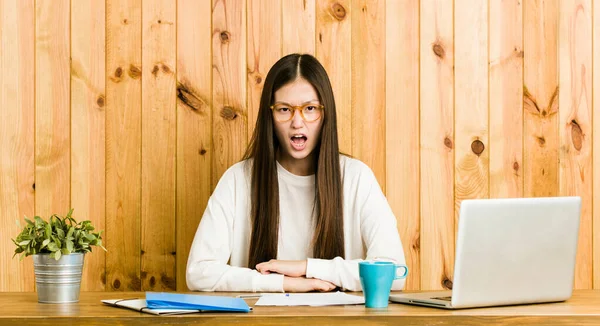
{"points": [[58, 281]]}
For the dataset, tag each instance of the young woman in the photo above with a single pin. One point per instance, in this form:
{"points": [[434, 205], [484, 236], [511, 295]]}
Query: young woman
{"points": [[294, 215]]}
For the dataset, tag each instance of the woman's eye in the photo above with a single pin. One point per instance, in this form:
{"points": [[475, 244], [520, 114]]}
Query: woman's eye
{"points": [[284, 109], [311, 108]]}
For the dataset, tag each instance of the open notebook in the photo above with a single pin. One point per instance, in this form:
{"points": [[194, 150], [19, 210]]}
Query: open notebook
{"points": [[162, 303], [141, 306]]}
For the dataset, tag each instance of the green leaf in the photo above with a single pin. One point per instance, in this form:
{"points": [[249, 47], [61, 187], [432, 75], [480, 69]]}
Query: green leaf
{"points": [[70, 233], [57, 241], [69, 245], [100, 245], [24, 243], [29, 222], [56, 254], [60, 233], [52, 246], [45, 243], [38, 221]]}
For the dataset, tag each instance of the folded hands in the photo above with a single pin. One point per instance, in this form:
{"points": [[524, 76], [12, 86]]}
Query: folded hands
{"points": [[294, 272]]}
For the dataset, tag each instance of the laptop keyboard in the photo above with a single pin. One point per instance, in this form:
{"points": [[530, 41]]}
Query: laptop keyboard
{"points": [[449, 298]]}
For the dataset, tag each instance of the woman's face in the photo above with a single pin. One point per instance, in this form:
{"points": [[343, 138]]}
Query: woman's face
{"points": [[297, 137]]}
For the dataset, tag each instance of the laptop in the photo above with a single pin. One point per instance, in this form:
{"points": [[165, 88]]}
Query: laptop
{"points": [[509, 252]]}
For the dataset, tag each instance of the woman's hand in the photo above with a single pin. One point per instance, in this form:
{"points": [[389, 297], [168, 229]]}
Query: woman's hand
{"points": [[303, 284], [293, 268]]}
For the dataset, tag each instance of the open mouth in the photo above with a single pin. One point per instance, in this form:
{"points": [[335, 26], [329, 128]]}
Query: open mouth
{"points": [[298, 142]]}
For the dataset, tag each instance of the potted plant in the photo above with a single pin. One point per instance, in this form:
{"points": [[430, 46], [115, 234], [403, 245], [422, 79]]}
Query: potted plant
{"points": [[58, 247]]}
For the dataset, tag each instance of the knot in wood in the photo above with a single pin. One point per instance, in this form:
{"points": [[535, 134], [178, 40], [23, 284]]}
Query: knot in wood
{"points": [[447, 284], [338, 11], [576, 135], [439, 51], [477, 147], [225, 37], [448, 143], [228, 113]]}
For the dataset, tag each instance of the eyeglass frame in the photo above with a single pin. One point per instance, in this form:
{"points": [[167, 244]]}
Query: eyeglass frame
{"points": [[299, 108]]}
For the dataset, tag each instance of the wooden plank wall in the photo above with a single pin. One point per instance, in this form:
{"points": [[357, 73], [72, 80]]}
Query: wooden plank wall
{"points": [[88, 123], [123, 144], [130, 111]]}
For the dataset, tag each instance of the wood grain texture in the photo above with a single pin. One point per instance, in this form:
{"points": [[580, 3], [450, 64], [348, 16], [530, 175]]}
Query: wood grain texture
{"points": [[298, 26], [123, 143], [88, 114], [230, 115], [368, 92], [322, 319], [159, 122], [596, 147], [23, 309], [84, 122], [17, 116], [540, 98], [334, 51], [506, 98], [194, 125], [575, 123], [52, 103], [264, 49], [402, 128], [471, 116], [437, 144]]}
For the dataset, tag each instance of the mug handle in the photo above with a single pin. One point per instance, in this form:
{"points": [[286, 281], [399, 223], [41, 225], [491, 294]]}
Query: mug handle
{"points": [[404, 274]]}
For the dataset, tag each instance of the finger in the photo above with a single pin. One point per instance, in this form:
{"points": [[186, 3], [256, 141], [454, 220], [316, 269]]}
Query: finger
{"points": [[273, 268], [266, 268], [321, 286], [262, 267], [328, 286]]}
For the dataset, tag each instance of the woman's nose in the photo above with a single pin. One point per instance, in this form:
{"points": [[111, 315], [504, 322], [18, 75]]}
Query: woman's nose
{"points": [[297, 119]]}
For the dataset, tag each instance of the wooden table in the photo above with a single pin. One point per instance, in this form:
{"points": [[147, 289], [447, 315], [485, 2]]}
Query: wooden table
{"points": [[23, 309]]}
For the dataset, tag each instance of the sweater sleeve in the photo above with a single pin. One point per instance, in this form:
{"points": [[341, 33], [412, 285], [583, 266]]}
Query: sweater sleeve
{"points": [[379, 234], [207, 266]]}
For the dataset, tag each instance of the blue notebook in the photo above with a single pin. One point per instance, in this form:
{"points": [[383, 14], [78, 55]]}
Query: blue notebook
{"points": [[165, 300]]}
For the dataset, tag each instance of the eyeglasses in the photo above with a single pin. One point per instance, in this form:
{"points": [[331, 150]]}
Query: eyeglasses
{"points": [[284, 112]]}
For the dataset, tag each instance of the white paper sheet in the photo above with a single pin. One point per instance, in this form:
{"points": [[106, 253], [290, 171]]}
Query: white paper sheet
{"points": [[309, 299]]}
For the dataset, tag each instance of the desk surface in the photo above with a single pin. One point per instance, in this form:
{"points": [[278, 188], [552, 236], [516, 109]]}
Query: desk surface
{"points": [[23, 309]]}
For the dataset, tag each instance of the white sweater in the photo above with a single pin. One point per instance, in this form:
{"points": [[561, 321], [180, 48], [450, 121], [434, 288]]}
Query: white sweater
{"points": [[218, 259]]}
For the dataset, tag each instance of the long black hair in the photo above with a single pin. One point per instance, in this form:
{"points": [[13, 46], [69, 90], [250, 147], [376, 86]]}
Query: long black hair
{"points": [[328, 240]]}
